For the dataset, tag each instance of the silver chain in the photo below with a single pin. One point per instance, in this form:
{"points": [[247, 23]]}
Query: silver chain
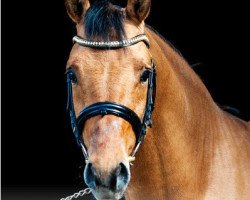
{"points": [[78, 194]]}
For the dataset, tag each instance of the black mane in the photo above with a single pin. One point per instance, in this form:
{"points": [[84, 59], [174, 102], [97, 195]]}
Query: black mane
{"points": [[104, 21]]}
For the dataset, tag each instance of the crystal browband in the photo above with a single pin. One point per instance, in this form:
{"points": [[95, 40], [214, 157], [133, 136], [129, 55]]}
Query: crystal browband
{"points": [[112, 44]]}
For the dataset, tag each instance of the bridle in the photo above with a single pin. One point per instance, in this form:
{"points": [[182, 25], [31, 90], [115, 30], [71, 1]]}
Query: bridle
{"points": [[112, 108]]}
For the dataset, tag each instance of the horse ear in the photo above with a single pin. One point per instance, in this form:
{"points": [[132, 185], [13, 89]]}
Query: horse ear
{"points": [[138, 10], [76, 9]]}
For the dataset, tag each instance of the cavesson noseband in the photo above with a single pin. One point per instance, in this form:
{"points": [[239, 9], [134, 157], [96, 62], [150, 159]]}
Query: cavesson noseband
{"points": [[111, 108]]}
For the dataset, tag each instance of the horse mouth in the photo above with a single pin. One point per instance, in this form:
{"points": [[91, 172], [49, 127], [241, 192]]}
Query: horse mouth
{"points": [[103, 193]]}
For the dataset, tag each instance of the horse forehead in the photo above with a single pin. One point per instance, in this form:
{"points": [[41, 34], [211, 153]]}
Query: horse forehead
{"points": [[88, 60]]}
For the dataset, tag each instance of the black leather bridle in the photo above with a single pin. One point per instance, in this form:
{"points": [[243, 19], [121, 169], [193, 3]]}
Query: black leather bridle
{"points": [[112, 108]]}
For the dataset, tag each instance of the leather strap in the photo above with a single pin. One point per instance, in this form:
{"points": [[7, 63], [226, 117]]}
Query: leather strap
{"points": [[110, 108]]}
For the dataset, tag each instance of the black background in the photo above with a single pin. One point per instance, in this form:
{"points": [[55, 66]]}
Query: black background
{"points": [[38, 149]]}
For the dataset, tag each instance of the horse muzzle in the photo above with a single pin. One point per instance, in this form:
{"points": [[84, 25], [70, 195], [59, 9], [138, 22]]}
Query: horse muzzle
{"points": [[110, 185]]}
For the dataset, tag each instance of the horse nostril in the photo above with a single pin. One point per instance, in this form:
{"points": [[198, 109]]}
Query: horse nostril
{"points": [[122, 174], [113, 181], [89, 176], [123, 171], [119, 178]]}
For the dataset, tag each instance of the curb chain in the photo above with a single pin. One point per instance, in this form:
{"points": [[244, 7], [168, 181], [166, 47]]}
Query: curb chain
{"points": [[78, 194]]}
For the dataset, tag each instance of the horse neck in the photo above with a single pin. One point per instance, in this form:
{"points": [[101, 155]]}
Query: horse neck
{"points": [[175, 156]]}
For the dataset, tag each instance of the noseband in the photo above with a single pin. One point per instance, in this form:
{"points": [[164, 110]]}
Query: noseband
{"points": [[111, 108]]}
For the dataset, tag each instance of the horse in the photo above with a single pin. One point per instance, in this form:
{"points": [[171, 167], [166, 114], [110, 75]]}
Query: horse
{"points": [[194, 150]]}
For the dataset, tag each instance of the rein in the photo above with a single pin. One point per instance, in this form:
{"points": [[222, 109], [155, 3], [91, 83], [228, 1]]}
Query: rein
{"points": [[112, 108]]}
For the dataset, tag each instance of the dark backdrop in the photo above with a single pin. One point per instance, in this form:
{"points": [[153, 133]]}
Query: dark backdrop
{"points": [[38, 149]]}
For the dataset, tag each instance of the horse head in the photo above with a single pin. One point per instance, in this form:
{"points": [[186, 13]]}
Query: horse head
{"points": [[116, 75]]}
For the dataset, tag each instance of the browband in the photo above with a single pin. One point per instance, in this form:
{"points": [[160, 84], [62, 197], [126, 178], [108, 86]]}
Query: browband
{"points": [[112, 44]]}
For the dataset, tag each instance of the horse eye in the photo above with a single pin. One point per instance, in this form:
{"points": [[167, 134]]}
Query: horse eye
{"points": [[72, 76], [145, 75]]}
